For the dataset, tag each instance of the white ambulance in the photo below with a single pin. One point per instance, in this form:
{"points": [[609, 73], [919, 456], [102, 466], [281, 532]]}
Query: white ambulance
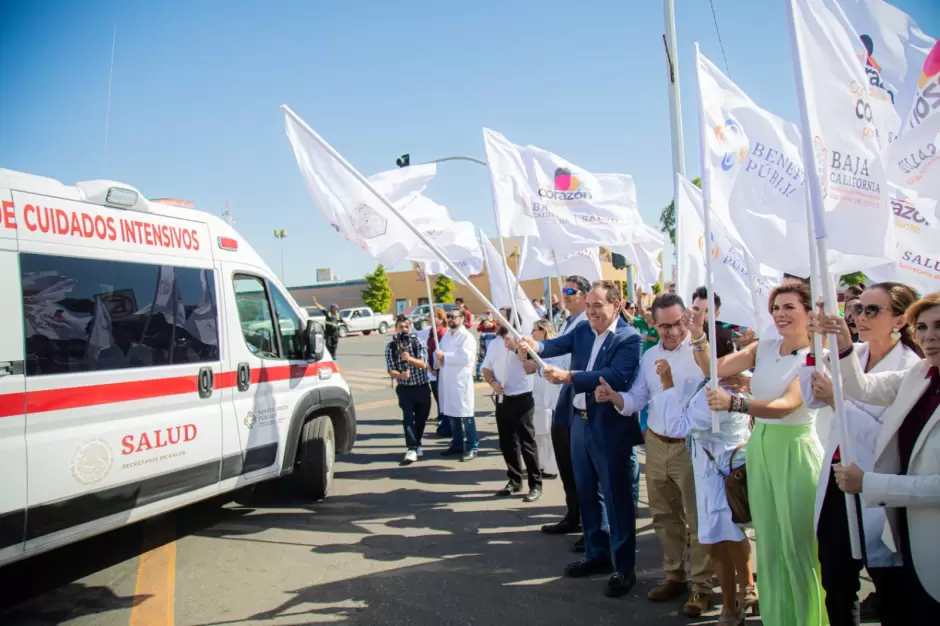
{"points": [[148, 359]]}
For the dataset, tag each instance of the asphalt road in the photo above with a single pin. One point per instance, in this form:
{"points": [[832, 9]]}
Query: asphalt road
{"points": [[420, 544]]}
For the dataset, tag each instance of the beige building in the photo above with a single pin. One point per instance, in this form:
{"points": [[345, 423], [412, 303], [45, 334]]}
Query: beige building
{"points": [[408, 288]]}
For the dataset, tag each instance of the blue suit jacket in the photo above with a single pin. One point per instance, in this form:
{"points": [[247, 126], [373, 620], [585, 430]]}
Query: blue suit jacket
{"points": [[618, 362]]}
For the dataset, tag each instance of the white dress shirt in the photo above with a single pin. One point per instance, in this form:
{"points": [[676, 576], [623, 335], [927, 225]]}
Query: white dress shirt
{"points": [[507, 369], [665, 412], [580, 403]]}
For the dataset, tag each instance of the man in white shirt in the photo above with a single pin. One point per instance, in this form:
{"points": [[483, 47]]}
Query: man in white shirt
{"points": [[669, 368], [515, 413], [455, 358]]}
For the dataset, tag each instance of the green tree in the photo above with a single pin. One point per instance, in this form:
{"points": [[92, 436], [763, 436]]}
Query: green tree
{"points": [[377, 295], [667, 219], [855, 278], [443, 289]]}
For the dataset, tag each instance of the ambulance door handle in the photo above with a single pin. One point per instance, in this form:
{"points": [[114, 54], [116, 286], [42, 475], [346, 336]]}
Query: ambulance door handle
{"points": [[206, 382], [244, 376]]}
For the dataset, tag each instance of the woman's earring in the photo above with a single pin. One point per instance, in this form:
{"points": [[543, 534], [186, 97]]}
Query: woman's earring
{"points": [[895, 335]]}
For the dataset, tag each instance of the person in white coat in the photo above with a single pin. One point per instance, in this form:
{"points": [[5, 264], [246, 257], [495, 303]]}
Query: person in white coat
{"points": [[546, 397], [905, 479], [456, 359], [888, 347]]}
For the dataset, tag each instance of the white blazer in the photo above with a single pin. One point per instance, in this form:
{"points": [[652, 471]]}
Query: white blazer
{"points": [[864, 424], [919, 490], [455, 378]]}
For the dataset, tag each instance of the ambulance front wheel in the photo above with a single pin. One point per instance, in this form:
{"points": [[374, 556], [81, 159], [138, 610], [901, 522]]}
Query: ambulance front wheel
{"points": [[317, 456]]}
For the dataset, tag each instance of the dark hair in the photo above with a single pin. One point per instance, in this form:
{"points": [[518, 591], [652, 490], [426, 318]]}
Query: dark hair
{"points": [[665, 301], [853, 291], [502, 331], [902, 299], [805, 281], [401, 317], [584, 285], [702, 294], [610, 287], [802, 291], [458, 300]]}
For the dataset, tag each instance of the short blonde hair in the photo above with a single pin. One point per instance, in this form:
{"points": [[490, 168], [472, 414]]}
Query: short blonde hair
{"points": [[924, 304]]}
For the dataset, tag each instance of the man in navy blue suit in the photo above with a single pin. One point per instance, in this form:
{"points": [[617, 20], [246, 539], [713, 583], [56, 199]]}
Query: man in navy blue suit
{"points": [[606, 349]]}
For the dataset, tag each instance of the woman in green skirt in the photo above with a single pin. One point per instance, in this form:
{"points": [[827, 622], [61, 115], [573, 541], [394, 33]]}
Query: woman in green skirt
{"points": [[784, 458]]}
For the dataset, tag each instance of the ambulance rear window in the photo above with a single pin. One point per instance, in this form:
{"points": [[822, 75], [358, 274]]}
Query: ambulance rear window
{"points": [[84, 315]]}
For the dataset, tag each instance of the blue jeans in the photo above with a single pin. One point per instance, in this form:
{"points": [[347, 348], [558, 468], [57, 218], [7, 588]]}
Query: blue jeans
{"points": [[606, 493], [635, 462], [485, 340], [461, 426]]}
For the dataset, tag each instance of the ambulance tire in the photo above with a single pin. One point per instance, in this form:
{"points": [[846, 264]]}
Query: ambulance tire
{"points": [[383, 328], [317, 456], [342, 331], [244, 495], [367, 332]]}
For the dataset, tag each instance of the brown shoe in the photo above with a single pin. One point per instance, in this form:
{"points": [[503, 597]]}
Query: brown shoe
{"points": [[697, 604], [667, 590]]}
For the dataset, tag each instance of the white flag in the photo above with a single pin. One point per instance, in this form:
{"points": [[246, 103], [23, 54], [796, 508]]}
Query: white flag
{"points": [[913, 160], [537, 262], [730, 261], [917, 257], [647, 266], [500, 292], [166, 299], [540, 194], [347, 204], [457, 240], [843, 124], [201, 323], [101, 337]]}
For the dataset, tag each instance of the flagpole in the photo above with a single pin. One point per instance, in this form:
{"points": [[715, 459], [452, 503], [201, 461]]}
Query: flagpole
{"points": [[816, 209], [675, 117], [417, 232], [755, 304], [431, 319], [707, 210], [107, 111]]}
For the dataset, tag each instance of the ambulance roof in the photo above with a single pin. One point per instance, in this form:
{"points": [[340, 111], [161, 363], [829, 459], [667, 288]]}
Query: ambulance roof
{"points": [[96, 192]]}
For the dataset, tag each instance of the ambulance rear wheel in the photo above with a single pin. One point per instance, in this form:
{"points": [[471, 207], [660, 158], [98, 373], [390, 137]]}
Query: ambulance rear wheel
{"points": [[317, 456]]}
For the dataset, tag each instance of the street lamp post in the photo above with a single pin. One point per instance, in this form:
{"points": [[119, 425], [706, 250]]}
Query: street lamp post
{"points": [[282, 235]]}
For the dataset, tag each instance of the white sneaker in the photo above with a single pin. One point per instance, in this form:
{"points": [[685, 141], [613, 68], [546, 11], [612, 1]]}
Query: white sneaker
{"points": [[411, 456], [420, 451]]}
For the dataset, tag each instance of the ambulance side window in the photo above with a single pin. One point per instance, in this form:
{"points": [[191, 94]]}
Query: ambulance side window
{"points": [[254, 313], [290, 325], [83, 315]]}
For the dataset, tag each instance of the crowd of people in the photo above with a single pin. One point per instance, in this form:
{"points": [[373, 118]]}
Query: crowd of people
{"points": [[598, 376]]}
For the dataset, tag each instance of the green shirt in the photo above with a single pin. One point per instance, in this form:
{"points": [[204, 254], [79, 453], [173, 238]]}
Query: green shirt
{"points": [[650, 336]]}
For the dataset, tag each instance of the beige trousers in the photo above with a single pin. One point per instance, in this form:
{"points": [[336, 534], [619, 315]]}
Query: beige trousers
{"points": [[670, 486]]}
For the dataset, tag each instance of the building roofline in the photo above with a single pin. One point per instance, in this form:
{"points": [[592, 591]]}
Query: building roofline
{"points": [[340, 283]]}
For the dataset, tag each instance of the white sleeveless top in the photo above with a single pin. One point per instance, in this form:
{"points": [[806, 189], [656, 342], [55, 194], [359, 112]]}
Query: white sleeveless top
{"points": [[773, 373]]}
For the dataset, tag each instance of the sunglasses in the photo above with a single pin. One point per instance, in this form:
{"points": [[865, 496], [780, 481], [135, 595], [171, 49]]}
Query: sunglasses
{"points": [[568, 291], [857, 309], [455, 317]]}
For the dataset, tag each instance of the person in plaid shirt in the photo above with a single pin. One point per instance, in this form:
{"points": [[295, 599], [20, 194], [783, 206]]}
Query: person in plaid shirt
{"points": [[406, 357]]}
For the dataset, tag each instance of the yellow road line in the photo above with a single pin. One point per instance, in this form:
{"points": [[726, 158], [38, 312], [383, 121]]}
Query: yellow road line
{"points": [[156, 576]]}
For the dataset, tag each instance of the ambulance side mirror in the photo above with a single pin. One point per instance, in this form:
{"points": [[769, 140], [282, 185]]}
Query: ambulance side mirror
{"points": [[316, 344]]}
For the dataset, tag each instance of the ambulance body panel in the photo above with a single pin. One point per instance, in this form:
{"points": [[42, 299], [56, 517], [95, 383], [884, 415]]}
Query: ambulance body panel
{"points": [[148, 359]]}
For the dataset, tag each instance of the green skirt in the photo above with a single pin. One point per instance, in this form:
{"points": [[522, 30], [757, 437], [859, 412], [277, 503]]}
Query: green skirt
{"points": [[783, 465]]}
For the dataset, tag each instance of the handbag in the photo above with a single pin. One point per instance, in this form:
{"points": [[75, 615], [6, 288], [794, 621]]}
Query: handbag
{"points": [[735, 488]]}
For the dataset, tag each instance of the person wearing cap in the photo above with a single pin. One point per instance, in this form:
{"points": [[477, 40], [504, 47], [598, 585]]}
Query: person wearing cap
{"points": [[332, 324]]}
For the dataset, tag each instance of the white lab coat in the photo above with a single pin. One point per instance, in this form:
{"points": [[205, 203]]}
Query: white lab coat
{"points": [[546, 395], [455, 379], [864, 425], [918, 490]]}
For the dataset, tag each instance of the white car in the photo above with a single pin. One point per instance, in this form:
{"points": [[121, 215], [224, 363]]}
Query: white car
{"points": [[362, 319], [141, 367]]}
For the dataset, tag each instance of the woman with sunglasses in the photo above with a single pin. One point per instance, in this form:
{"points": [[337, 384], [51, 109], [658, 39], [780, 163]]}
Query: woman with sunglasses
{"points": [[546, 397], [887, 346]]}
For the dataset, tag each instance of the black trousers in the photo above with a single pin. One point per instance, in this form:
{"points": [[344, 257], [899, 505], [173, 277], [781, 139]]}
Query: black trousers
{"points": [[516, 426], [561, 443], [437, 402], [840, 572], [415, 404], [332, 343]]}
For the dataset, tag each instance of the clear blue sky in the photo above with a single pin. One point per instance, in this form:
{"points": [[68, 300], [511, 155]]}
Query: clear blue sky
{"points": [[197, 86]]}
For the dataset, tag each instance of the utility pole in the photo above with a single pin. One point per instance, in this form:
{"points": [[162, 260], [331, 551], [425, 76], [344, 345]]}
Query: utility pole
{"points": [[282, 235]]}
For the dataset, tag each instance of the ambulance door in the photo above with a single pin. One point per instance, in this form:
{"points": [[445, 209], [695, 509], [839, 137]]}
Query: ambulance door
{"points": [[12, 398]]}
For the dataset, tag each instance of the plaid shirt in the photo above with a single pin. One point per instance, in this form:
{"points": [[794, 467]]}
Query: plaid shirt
{"points": [[418, 376]]}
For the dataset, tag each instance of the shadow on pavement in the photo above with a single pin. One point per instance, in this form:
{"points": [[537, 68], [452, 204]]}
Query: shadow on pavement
{"points": [[69, 602]]}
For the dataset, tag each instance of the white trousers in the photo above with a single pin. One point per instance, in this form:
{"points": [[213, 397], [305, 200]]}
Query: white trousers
{"points": [[546, 454]]}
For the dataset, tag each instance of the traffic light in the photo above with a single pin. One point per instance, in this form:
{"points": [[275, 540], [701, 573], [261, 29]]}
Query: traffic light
{"points": [[403, 161], [618, 261]]}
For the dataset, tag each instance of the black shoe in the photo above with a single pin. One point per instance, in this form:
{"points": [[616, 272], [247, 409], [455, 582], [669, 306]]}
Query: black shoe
{"points": [[870, 607], [583, 568], [509, 489], [534, 494], [452, 452], [564, 527], [619, 585], [578, 545], [549, 476]]}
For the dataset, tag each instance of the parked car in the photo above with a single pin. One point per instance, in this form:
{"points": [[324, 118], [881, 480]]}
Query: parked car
{"points": [[362, 319], [420, 315]]}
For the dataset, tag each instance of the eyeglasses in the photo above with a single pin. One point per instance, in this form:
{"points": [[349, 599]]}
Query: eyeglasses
{"points": [[857, 309], [568, 291], [454, 316], [668, 329]]}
